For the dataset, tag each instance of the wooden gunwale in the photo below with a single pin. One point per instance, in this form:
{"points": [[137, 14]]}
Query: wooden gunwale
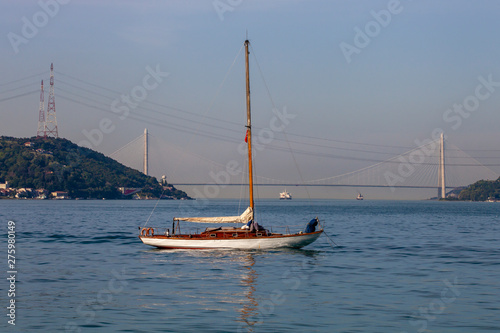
{"points": [[228, 235]]}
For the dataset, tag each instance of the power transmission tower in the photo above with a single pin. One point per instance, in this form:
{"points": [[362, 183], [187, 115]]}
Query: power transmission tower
{"points": [[51, 122], [40, 133]]}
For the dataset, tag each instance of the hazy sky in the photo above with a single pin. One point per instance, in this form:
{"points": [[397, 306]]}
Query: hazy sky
{"points": [[380, 73]]}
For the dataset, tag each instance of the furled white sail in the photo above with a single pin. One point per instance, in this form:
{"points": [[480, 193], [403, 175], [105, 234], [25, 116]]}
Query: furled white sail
{"points": [[243, 218]]}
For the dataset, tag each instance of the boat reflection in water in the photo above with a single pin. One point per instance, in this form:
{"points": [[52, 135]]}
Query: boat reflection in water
{"points": [[242, 287], [249, 313]]}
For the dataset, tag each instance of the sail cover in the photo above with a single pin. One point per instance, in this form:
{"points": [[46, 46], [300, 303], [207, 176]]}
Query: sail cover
{"points": [[243, 218]]}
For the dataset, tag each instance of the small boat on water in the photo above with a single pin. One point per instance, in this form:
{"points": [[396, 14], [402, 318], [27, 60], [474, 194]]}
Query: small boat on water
{"points": [[285, 195], [249, 236], [359, 197]]}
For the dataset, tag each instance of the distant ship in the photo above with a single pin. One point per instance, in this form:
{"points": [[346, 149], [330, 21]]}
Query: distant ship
{"points": [[359, 197], [285, 195]]}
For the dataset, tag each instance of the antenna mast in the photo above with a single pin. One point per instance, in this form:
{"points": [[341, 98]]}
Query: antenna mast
{"points": [[40, 133], [51, 123]]}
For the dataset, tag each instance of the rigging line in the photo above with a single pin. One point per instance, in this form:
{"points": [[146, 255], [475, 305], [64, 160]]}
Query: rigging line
{"points": [[284, 133], [206, 111], [20, 95], [274, 106], [262, 76], [22, 79], [223, 81], [328, 237], [154, 208]]}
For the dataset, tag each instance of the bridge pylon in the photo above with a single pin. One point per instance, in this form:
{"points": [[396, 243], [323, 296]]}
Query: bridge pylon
{"points": [[441, 172]]}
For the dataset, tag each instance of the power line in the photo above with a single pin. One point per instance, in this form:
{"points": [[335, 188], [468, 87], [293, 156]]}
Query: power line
{"points": [[218, 120], [21, 79], [19, 95]]}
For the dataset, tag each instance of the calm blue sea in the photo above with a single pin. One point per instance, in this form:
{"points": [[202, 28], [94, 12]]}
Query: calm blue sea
{"points": [[399, 266]]}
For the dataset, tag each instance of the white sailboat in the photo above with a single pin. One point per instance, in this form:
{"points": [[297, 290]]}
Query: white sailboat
{"points": [[249, 236]]}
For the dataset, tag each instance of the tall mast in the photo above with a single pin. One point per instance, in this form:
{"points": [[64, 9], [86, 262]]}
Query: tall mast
{"points": [[146, 158], [249, 127]]}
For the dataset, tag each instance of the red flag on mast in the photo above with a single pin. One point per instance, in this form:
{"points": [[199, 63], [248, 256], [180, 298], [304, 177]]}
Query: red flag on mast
{"points": [[246, 136]]}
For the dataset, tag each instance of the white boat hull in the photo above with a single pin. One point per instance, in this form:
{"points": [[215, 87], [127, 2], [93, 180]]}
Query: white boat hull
{"points": [[273, 242]]}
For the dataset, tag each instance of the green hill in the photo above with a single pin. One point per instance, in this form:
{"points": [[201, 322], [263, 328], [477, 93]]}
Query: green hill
{"points": [[481, 191], [60, 165]]}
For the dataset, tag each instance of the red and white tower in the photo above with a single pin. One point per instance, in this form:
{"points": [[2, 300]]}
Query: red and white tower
{"points": [[51, 122], [40, 133]]}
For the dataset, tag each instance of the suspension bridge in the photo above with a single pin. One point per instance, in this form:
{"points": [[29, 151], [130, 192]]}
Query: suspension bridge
{"points": [[437, 164]]}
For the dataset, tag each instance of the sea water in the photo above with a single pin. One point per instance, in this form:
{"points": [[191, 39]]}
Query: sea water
{"points": [[394, 266]]}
